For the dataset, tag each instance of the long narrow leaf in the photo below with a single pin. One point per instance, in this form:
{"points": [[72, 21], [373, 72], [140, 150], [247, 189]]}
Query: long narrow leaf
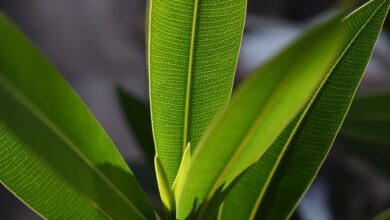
{"points": [[275, 184], [257, 115], [42, 112], [193, 49]]}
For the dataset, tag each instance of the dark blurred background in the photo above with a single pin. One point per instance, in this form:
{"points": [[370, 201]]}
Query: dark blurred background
{"points": [[99, 45]]}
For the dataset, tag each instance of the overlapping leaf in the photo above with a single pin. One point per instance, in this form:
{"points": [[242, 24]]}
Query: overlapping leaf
{"points": [[272, 188], [193, 49], [256, 116], [76, 162]]}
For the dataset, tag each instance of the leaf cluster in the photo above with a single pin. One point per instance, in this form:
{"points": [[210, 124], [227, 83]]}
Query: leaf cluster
{"points": [[249, 157]]}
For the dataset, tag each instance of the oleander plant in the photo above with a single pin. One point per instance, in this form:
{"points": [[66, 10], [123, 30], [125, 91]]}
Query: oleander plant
{"points": [[252, 156]]}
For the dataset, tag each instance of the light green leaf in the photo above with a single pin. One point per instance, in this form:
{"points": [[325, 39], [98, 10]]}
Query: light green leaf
{"points": [[138, 118], [193, 49], [184, 165], [164, 188], [257, 114], [41, 115], [368, 120], [273, 187], [251, 188]]}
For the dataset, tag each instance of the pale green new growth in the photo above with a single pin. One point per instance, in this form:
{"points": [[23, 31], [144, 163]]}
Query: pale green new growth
{"points": [[164, 188], [183, 170]]}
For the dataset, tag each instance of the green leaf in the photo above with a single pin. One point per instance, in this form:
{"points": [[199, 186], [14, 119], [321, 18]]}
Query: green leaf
{"points": [[273, 187], [257, 114], [43, 116], [38, 186], [184, 165], [368, 120], [193, 50], [164, 188], [138, 118], [251, 188]]}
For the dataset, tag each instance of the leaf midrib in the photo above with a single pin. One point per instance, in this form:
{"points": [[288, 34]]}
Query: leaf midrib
{"points": [[189, 77], [28, 104], [274, 168]]}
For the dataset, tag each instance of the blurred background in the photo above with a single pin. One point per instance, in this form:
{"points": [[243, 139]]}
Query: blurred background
{"points": [[99, 46]]}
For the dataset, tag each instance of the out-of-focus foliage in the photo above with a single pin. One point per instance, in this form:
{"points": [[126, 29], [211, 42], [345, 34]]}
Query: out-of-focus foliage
{"points": [[368, 120], [137, 114]]}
